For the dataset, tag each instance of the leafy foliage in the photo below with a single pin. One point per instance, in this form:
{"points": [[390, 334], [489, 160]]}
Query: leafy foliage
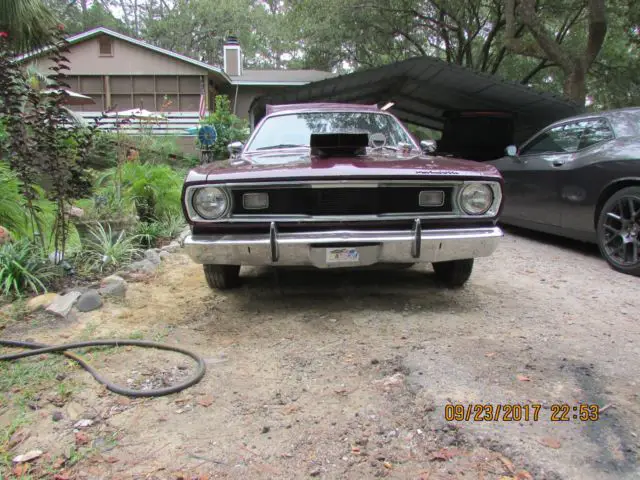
{"points": [[229, 127], [154, 189], [42, 143], [23, 268], [104, 251], [28, 22], [150, 233], [12, 214]]}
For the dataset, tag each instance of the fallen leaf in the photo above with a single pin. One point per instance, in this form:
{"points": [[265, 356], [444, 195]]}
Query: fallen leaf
{"points": [[387, 465], [81, 438], [18, 437], [21, 469], [523, 475], [490, 354], [445, 454], [59, 463], [523, 378], [206, 401], [507, 464], [550, 442], [27, 457]]}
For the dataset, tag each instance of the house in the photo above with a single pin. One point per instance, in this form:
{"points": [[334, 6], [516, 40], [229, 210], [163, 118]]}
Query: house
{"points": [[121, 72]]}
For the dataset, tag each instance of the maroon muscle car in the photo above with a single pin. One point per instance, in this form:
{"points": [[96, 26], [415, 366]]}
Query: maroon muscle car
{"points": [[338, 186]]}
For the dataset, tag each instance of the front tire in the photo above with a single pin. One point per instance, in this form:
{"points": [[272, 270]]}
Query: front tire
{"points": [[222, 277], [454, 274], [619, 231]]}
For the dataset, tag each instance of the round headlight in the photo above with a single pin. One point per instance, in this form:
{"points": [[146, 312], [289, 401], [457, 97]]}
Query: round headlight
{"points": [[476, 198], [210, 202]]}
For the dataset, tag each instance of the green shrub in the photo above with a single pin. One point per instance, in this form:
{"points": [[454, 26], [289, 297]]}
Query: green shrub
{"points": [[101, 251], [154, 189], [167, 227], [229, 127], [23, 267]]}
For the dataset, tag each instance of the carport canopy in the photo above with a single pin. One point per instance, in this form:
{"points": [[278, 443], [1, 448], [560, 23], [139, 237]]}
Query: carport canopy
{"points": [[424, 90]]}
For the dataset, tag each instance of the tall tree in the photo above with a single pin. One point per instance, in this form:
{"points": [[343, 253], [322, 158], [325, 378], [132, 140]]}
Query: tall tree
{"points": [[574, 62]]}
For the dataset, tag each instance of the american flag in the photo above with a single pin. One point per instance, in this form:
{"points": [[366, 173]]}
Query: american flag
{"points": [[203, 102]]}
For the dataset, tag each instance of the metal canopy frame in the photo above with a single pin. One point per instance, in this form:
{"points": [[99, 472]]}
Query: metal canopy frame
{"points": [[424, 88]]}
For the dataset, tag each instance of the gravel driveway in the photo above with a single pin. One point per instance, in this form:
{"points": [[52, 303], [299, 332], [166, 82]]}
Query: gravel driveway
{"points": [[346, 375]]}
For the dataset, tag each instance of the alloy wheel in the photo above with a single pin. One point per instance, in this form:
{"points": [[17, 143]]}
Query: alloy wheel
{"points": [[621, 242]]}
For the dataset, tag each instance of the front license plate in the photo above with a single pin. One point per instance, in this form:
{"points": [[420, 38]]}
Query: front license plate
{"points": [[343, 255]]}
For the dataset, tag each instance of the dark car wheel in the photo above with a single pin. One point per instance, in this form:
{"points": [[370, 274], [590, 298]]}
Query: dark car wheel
{"points": [[454, 274], [619, 231], [222, 277]]}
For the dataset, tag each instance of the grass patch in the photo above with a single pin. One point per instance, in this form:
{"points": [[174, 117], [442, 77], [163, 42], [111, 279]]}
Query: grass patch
{"points": [[5, 437], [22, 380]]}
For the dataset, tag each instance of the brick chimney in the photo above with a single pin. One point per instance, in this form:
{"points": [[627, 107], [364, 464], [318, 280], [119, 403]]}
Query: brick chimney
{"points": [[232, 56]]}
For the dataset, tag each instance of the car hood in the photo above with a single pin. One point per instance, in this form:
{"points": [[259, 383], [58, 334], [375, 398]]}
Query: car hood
{"points": [[299, 164]]}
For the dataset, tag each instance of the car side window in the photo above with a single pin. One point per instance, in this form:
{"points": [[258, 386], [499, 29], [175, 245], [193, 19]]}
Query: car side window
{"points": [[570, 137], [595, 131]]}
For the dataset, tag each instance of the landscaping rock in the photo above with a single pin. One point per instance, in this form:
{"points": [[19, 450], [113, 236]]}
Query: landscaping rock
{"points": [[5, 237], [144, 266], [89, 301], [153, 257], [164, 255], [173, 247], [41, 301], [113, 286], [63, 304]]}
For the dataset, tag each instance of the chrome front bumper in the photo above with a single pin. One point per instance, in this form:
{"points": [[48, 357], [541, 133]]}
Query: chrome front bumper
{"points": [[367, 247]]}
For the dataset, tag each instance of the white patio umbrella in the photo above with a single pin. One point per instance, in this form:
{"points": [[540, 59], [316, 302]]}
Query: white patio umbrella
{"points": [[138, 113], [72, 98]]}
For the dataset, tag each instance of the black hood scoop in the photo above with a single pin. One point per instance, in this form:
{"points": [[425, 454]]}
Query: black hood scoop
{"points": [[339, 144]]}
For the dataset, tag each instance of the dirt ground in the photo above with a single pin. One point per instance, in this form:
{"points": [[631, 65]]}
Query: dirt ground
{"points": [[346, 375]]}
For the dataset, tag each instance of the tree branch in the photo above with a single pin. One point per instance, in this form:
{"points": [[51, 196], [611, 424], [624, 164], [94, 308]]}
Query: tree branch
{"points": [[538, 68], [597, 31]]}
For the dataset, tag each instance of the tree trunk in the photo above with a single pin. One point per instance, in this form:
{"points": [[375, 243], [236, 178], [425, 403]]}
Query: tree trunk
{"points": [[575, 85]]}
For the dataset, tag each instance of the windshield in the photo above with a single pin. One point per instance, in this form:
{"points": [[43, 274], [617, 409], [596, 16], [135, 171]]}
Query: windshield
{"points": [[294, 130]]}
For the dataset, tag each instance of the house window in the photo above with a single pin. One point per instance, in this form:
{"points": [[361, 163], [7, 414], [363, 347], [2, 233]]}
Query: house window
{"points": [[106, 46]]}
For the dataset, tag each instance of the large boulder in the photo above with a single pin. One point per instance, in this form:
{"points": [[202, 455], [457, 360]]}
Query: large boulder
{"points": [[113, 286], [143, 266], [41, 301], [153, 256], [89, 301]]}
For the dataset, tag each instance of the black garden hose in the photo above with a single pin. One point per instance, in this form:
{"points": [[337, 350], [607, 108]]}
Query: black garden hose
{"points": [[39, 348]]}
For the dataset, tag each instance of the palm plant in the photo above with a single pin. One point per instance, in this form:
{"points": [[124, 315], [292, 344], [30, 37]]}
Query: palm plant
{"points": [[28, 23]]}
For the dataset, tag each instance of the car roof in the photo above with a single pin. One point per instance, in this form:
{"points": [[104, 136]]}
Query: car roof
{"points": [[604, 113], [324, 107]]}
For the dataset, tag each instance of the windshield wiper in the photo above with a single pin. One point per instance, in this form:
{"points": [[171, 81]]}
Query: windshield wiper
{"points": [[282, 145]]}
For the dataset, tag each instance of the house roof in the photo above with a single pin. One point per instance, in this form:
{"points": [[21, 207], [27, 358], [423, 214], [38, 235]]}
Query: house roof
{"points": [[81, 37], [249, 77], [280, 77], [425, 89]]}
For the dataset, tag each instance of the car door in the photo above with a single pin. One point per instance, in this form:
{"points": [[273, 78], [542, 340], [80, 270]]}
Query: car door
{"points": [[579, 188], [532, 194]]}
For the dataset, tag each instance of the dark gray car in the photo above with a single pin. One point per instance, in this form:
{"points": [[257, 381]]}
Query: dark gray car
{"points": [[580, 178]]}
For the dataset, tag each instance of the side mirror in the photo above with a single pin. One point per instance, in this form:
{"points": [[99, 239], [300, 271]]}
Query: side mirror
{"points": [[428, 146], [235, 148], [511, 151]]}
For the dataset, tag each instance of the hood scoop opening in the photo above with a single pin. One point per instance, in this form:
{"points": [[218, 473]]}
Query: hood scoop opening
{"points": [[338, 144]]}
